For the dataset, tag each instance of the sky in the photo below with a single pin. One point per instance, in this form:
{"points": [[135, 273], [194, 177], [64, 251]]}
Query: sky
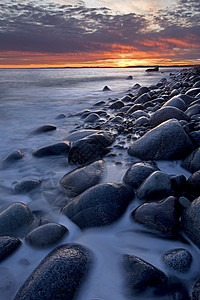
{"points": [[111, 33]]}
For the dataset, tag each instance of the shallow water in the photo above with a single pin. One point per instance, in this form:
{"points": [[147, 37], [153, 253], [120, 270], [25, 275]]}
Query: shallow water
{"points": [[30, 98]]}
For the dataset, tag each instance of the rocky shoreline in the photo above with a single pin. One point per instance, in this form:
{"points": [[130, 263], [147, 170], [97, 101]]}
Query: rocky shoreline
{"points": [[148, 124]]}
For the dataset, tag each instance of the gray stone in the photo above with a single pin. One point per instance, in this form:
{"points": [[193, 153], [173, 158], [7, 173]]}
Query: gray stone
{"points": [[26, 186], [142, 98], [157, 185], [137, 173], [15, 219], [139, 113], [187, 99], [195, 137], [142, 90], [106, 88], [191, 221], [135, 107], [193, 184], [140, 276], [168, 141], [59, 276], [117, 119], [54, 149], [91, 118], [81, 179], [80, 134], [100, 205], [13, 157], [116, 105], [46, 235], [162, 216], [8, 245], [61, 116], [90, 148], [141, 121], [196, 290], [176, 102], [192, 162], [193, 92], [44, 128], [193, 110], [178, 259], [167, 113]]}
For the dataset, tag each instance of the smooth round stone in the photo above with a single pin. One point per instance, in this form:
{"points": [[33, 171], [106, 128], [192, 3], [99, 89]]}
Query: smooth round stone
{"points": [[117, 119], [178, 183], [176, 102], [15, 219], [195, 137], [60, 274], [8, 245], [53, 149], [106, 88], [193, 184], [196, 290], [193, 92], [91, 118], [129, 77], [116, 105], [61, 116], [193, 110], [100, 205], [81, 179], [142, 98], [141, 121], [187, 99], [137, 173], [134, 108], [192, 162], [80, 134], [46, 235], [162, 216], [178, 259], [140, 276], [13, 157], [26, 186], [139, 113], [142, 90], [44, 128], [158, 184]]}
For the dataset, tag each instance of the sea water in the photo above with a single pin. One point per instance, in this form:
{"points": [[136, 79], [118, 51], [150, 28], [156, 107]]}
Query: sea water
{"points": [[33, 97]]}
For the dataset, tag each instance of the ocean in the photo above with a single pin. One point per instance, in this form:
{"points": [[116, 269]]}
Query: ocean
{"points": [[30, 98]]}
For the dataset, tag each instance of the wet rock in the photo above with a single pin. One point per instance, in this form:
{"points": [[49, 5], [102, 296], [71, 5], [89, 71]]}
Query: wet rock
{"points": [[54, 149], [196, 290], [142, 90], [91, 118], [90, 148], [162, 216], [126, 98], [46, 235], [15, 219], [138, 172], [178, 259], [61, 116], [157, 185], [106, 88], [80, 134], [13, 157], [193, 184], [191, 221], [100, 205], [59, 275], [142, 98], [176, 102], [193, 110], [116, 105], [164, 142], [81, 179], [167, 113], [142, 121], [193, 92], [134, 108], [195, 137], [140, 276], [44, 128], [139, 113], [129, 77], [187, 99], [178, 183], [117, 119], [192, 162], [8, 245], [27, 186]]}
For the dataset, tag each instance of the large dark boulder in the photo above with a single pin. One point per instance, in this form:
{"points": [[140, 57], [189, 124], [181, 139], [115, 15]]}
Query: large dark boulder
{"points": [[192, 162], [59, 276], [90, 148], [168, 141], [54, 149], [177, 259], [167, 113], [26, 186], [15, 219], [162, 216], [140, 276], [82, 178], [8, 245], [13, 157], [193, 184], [191, 221], [100, 205]]}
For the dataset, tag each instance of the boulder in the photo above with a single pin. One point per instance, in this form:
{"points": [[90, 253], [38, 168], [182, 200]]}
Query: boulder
{"points": [[139, 113], [91, 118], [13, 157], [195, 137], [44, 128], [168, 141], [81, 179], [138, 172], [178, 259], [80, 134], [15, 219], [106, 88], [8, 245], [59, 275], [176, 102], [193, 92], [142, 90], [157, 185], [26, 186], [191, 221], [116, 105], [134, 108], [167, 113], [90, 148], [54, 149], [162, 216], [142, 98], [193, 184], [140, 276], [193, 110], [100, 205], [46, 235], [192, 162]]}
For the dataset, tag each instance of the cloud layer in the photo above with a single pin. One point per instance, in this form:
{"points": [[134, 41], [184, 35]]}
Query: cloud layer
{"points": [[79, 33]]}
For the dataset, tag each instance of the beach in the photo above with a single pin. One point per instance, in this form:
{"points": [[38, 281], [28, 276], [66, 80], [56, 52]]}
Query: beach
{"points": [[105, 174]]}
